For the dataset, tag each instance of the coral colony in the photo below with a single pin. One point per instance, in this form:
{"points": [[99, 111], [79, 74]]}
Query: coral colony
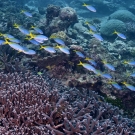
{"points": [[60, 65], [31, 104]]}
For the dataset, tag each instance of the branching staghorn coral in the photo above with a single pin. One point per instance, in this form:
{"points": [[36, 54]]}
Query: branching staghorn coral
{"points": [[32, 104]]}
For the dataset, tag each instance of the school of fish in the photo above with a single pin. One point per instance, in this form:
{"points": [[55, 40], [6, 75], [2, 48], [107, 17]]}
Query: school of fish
{"points": [[38, 39]]}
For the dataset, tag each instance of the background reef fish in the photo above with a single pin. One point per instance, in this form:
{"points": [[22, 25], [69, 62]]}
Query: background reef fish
{"points": [[120, 35], [63, 49], [37, 29], [59, 41], [91, 61], [109, 66], [92, 27], [21, 29], [132, 63], [79, 54], [34, 42], [26, 13], [115, 85], [87, 66], [2, 42], [89, 7], [107, 76], [48, 48], [129, 86]]}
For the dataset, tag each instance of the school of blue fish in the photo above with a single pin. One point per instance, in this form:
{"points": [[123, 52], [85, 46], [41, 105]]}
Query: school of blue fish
{"points": [[37, 38]]}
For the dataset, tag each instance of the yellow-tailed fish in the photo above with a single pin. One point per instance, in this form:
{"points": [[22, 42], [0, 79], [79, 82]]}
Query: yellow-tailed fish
{"points": [[96, 35], [28, 51], [64, 49], [129, 86], [80, 54], [107, 76], [48, 49], [119, 34], [38, 38], [92, 27], [21, 29], [133, 74], [33, 41], [89, 7], [98, 72], [14, 46], [6, 35], [132, 63], [26, 13], [15, 40], [87, 66], [91, 61], [57, 40], [115, 85], [37, 29], [2, 42], [109, 66]]}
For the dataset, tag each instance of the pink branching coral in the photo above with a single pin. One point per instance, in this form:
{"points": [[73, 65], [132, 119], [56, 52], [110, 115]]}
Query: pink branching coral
{"points": [[39, 105]]}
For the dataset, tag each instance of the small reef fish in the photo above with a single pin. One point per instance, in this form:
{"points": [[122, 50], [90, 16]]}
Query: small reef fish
{"points": [[63, 49], [59, 41], [107, 76], [104, 75], [91, 61], [132, 63], [48, 49], [33, 41], [14, 45], [21, 29], [119, 34], [133, 75], [6, 35], [92, 27], [96, 35], [37, 29], [109, 66], [2, 42], [38, 38], [14, 40], [28, 51], [26, 13], [87, 66], [80, 54], [115, 85], [129, 86], [89, 7]]}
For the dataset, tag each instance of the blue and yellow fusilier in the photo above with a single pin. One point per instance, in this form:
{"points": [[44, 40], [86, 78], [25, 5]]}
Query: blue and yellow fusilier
{"points": [[91, 61], [64, 49], [26, 13], [119, 34], [129, 86], [89, 7], [87, 66], [109, 66], [48, 49]]}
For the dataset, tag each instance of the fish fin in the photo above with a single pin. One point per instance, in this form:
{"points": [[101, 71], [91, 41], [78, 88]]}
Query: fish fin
{"points": [[84, 4], [87, 58], [80, 63], [41, 47], [115, 32]]}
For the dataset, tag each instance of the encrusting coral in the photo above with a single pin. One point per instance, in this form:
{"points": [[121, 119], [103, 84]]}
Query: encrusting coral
{"points": [[38, 104]]}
